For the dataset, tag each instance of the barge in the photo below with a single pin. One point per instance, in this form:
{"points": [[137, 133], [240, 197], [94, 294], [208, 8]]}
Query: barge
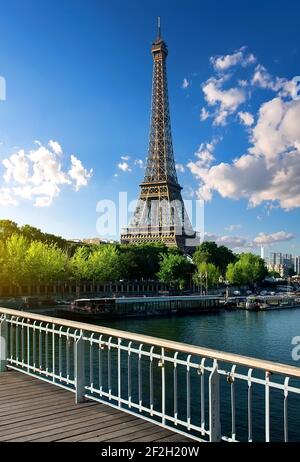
{"points": [[133, 307], [268, 303]]}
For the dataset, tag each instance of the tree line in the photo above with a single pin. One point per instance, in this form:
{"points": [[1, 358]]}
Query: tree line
{"points": [[29, 256]]}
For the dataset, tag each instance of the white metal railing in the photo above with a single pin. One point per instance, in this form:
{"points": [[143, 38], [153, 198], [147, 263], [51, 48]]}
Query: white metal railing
{"points": [[189, 389]]}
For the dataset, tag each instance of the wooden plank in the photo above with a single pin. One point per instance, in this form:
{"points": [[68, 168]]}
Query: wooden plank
{"points": [[32, 404], [64, 416], [102, 433], [148, 429], [26, 396], [175, 438], [72, 421], [128, 432], [56, 434], [14, 377], [32, 410], [33, 400], [40, 413], [22, 387]]}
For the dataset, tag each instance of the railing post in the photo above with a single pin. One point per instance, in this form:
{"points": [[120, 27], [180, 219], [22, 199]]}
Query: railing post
{"points": [[214, 405], [79, 370], [3, 344]]}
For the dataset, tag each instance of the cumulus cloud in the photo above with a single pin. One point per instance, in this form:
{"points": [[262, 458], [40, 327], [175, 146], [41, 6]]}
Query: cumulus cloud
{"points": [[226, 101], [37, 175], [244, 243], [205, 157], [56, 147], [127, 164], [246, 118], [280, 236], [124, 166], [180, 168], [224, 62], [126, 158], [6, 197], [233, 242], [270, 170], [139, 163], [185, 84], [78, 173], [204, 115]]}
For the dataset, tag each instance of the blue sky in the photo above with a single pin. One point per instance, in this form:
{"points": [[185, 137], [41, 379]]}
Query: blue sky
{"points": [[79, 73]]}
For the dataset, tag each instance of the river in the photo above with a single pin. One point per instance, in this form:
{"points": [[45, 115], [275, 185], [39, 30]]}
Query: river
{"points": [[265, 335]]}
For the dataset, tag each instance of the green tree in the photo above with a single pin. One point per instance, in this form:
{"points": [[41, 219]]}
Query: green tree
{"points": [[46, 263], [78, 266], [249, 269], [174, 270], [15, 268], [207, 275], [141, 261], [210, 252], [3, 259], [7, 229], [104, 264]]}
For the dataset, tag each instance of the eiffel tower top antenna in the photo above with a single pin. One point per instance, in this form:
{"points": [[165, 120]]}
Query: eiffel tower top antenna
{"points": [[158, 28]]}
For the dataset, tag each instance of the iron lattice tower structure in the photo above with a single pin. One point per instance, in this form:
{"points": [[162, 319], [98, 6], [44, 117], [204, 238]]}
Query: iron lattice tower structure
{"points": [[160, 215]]}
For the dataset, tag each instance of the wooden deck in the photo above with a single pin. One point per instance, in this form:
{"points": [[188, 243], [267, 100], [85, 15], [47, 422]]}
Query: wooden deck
{"points": [[33, 410]]}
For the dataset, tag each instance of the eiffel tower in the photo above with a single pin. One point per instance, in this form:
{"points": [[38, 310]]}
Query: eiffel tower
{"points": [[160, 215]]}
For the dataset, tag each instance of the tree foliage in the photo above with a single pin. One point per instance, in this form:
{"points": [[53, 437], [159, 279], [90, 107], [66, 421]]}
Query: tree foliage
{"points": [[219, 256], [248, 269], [207, 275], [174, 270], [27, 255]]}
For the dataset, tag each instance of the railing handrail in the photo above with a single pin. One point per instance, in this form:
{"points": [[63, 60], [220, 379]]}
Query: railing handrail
{"points": [[233, 358]]}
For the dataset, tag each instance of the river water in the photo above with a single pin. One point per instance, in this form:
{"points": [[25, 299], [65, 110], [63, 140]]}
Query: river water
{"points": [[265, 335]]}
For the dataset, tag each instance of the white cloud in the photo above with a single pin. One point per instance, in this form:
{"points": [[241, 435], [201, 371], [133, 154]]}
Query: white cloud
{"points": [[139, 163], [38, 175], [270, 170], [224, 62], [180, 168], [124, 166], [78, 173], [280, 236], [127, 164], [233, 242], [17, 168], [226, 101], [6, 197], [56, 147], [185, 84], [246, 118], [46, 167], [231, 228], [205, 157], [243, 243], [204, 115], [263, 79]]}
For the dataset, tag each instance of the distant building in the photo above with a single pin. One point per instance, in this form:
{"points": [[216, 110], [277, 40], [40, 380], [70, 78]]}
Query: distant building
{"points": [[281, 263], [297, 265]]}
